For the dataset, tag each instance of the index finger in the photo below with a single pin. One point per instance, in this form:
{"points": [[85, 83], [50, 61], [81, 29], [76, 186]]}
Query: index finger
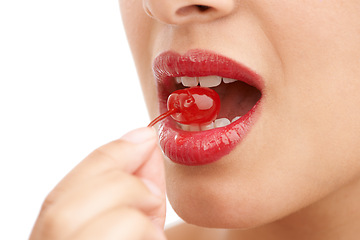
{"points": [[126, 154]]}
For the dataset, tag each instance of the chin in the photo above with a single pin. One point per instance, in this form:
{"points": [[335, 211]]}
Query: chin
{"points": [[235, 194], [210, 196], [216, 208]]}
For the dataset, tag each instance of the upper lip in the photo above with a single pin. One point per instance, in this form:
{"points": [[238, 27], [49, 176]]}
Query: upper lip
{"points": [[198, 63], [201, 147]]}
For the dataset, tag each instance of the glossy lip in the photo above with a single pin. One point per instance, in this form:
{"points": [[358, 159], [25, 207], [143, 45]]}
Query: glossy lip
{"points": [[203, 147]]}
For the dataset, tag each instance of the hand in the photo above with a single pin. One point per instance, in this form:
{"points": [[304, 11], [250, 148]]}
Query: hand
{"points": [[117, 192]]}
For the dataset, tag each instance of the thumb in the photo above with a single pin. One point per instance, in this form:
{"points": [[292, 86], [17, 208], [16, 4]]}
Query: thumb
{"points": [[153, 175], [150, 171], [141, 142]]}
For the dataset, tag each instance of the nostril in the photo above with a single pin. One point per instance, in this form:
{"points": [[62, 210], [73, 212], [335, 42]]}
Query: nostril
{"points": [[202, 8], [181, 12], [188, 10]]}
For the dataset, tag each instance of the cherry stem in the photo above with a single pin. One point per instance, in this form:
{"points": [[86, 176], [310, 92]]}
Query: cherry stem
{"points": [[163, 116]]}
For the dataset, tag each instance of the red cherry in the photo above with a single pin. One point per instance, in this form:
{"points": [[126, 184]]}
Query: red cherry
{"points": [[196, 105]]}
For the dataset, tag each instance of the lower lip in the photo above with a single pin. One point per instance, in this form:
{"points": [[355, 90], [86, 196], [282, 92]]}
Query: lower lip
{"points": [[204, 147]]}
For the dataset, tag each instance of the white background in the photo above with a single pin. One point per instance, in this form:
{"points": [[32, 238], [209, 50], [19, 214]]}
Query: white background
{"points": [[67, 86]]}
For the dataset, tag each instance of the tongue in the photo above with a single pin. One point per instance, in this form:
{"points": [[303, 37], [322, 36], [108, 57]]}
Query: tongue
{"points": [[236, 99]]}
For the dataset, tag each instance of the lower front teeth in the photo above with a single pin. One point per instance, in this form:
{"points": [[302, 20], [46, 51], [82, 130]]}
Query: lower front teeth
{"points": [[207, 126], [221, 122], [235, 118]]}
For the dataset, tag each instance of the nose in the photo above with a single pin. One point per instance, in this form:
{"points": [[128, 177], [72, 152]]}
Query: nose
{"points": [[177, 12]]}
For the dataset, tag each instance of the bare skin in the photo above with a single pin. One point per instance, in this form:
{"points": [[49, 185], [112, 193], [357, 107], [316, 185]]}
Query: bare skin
{"points": [[297, 173], [112, 194]]}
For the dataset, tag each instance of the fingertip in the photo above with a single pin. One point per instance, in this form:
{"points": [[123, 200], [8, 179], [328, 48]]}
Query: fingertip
{"points": [[140, 135]]}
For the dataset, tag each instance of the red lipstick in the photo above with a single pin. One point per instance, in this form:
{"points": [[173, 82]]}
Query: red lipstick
{"points": [[201, 147]]}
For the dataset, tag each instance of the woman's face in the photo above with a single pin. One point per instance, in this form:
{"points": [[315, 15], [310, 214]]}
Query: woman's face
{"points": [[303, 141]]}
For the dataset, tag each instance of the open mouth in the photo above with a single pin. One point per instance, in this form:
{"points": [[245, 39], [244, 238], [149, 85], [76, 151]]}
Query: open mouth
{"points": [[240, 93], [236, 97]]}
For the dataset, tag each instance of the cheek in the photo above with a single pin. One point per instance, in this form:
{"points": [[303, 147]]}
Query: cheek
{"points": [[137, 25], [313, 109], [315, 104], [139, 28]]}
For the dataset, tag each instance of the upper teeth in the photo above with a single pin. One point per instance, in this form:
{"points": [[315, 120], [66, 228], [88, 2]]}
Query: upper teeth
{"points": [[208, 81]]}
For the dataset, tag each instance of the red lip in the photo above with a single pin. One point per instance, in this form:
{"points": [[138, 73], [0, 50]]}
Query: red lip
{"points": [[197, 148]]}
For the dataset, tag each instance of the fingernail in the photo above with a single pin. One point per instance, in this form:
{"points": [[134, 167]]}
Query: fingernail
{"points": [[139, 135]]}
